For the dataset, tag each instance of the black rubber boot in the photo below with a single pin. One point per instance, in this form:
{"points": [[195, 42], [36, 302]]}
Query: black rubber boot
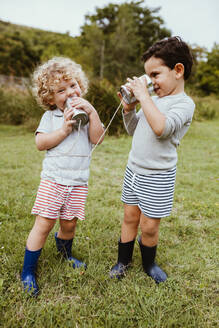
{"points": [[125, 251], [148, 255], [64, 247]]}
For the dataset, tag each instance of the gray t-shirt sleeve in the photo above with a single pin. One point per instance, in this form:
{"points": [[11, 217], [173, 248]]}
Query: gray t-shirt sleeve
{"points": [[130, 121], [45, 125], [179, 116]]}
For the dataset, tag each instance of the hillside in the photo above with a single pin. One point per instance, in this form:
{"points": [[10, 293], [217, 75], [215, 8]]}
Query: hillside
{"points": [[32, 45]]}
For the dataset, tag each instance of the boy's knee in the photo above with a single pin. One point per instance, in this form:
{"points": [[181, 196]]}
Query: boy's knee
{"points": [[68, 226], [149, 233], [131, 215], [148, 229], [131, 220], [43, 225]]}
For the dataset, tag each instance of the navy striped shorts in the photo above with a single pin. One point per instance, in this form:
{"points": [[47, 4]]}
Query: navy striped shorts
{"points": [[152, 193]]}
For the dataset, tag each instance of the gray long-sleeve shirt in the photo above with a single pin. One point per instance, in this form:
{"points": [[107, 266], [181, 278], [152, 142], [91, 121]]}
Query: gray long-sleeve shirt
{"points": [[151, 154]]}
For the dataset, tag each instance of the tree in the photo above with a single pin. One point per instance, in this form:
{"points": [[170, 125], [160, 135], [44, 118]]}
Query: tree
{"points": [[207, 75], [92, 46], [116, 36], [22, 48], [17, 55]]}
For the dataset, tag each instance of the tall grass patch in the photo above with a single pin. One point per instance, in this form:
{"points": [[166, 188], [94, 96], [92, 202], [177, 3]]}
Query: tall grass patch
{"points": [[207, 108], [19, 107]]}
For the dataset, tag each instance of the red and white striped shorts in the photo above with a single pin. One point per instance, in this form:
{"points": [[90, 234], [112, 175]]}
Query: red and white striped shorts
{"points": [[56, 201]]}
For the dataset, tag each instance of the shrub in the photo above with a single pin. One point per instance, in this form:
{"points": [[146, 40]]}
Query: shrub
{"points": [[102, 96], [19, 107], [206, 108]]}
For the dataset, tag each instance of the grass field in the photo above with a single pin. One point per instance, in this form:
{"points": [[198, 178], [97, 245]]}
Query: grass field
{"points": [[188, 247]]}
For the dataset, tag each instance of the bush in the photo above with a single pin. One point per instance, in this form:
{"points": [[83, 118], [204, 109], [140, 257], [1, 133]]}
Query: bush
{"points": [[19, 107], [102, 95], [206, 108]]}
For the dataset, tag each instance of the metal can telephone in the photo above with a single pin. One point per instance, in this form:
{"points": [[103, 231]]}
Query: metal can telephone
{"points": [[128, 96], [80, 116]]}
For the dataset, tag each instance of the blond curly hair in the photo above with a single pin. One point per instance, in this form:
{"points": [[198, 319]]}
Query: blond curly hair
{"points": [[47, 76]]}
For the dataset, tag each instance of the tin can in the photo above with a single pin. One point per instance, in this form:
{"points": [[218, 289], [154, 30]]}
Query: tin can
{"points": [[80, 116], [127, 94]]}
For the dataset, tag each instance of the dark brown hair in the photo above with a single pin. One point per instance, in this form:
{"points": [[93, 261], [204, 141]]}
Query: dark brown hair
{"points": [[172, 51]]}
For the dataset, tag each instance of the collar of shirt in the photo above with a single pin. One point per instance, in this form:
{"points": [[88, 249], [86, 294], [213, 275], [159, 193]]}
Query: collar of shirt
{"points": [[57, 112]]}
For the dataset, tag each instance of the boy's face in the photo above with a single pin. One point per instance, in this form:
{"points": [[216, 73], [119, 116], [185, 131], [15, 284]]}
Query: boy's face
{"points": [[166, 81], [64, 90]]}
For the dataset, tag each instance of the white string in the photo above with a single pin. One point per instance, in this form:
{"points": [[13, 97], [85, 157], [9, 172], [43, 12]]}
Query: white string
{"points": [[67, 153], [106, 128]]}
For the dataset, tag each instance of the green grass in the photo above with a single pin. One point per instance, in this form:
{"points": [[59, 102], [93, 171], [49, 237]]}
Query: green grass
{"points": [[69, 298]]}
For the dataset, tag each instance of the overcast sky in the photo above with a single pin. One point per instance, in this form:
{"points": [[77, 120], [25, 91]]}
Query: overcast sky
{"points": [[196, 21]]}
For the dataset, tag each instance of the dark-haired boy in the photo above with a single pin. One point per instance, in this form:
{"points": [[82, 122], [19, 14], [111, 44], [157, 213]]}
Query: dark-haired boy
{"points": [[157, 129]]}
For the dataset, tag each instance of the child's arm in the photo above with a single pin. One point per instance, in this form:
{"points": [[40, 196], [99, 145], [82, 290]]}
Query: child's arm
{"points": [[95, 125], [130, 119], [46, 141], [126, 107], [155, 118], [95, 128]]}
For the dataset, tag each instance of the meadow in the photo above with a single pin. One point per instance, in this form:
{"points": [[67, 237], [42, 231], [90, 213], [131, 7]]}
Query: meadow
{"points": [[188, 246]]}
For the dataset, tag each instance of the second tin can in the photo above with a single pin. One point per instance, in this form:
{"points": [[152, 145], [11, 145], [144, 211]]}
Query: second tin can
{"points": [[127, 94]]}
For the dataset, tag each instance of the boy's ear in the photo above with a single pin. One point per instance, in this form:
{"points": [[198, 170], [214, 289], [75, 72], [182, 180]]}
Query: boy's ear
{"points": [[179, 69]]}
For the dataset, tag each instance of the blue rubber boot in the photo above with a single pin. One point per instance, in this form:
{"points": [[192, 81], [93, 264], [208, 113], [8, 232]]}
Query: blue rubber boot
{"points": [[148, 255], [125, 251], [29, 270], [64, 247]]}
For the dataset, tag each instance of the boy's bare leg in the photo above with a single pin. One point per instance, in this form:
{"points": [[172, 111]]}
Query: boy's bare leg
{"points": [[148, 246], [149, 230], [127, 240], [64, 240], [130, 223], [67, 229], [39, 233]]}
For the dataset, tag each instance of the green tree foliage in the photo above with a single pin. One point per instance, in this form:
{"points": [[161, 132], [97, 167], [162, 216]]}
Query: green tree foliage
{"points": [[199, 54], [116, 36], [17, 54], [110, 46], [207, 74], [91, 45], [22, 48], [102, 94]]}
